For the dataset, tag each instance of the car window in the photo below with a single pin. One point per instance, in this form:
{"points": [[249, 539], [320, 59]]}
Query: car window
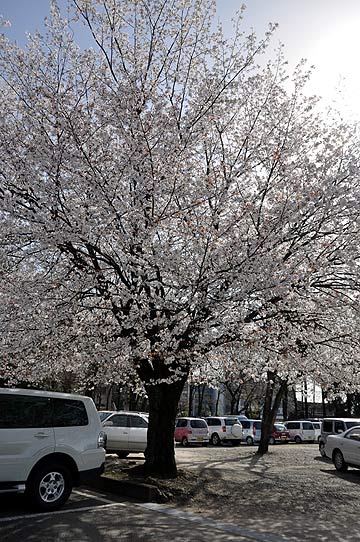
{"points": [[257, 425], [69, 413], [351, 424], [104, 415], [327, 426], [137, 421], [307, 426], [339, 426], [279, 427], [231, 421], [213, 421], [245, 424], [316, 425], [181, 423], [197, 424], [354, 434], [118, 420], [293, 425], [23, 411]]}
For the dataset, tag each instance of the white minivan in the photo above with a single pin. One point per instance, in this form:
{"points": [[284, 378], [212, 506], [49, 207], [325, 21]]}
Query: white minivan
{"points": [[301, 431], [49, 442]]}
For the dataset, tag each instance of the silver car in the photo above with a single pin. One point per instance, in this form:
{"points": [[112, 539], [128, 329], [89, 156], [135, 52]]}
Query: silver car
{"points": [[344, 449], [126, 432]]}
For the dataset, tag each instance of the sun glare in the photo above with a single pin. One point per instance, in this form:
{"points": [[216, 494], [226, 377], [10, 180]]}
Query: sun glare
{"points": [[337, 68]]}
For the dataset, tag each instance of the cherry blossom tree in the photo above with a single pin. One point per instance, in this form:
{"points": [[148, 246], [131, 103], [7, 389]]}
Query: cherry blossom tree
{"points": [[161, 196]]}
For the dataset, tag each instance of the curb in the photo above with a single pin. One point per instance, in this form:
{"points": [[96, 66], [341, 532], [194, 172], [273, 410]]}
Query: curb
{"points": [[127, 488]]}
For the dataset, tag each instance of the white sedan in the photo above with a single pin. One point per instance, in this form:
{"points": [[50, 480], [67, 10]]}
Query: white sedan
{"points": [[344, 449]]}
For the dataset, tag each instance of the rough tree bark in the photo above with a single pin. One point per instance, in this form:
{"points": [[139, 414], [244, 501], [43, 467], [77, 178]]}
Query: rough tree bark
{"points": [[271, 407], [160, 451]]}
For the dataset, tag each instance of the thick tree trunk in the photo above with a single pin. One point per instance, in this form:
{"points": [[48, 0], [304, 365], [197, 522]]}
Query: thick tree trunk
{"points": [[285, 403], [201, 391], [232, 404], [160, 451], [306, 404], [191, 398], [217, 403], [271, 407], [295, 404]]}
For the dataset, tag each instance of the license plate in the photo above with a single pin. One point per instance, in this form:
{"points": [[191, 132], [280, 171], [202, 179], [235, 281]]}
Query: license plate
{"points": [[283, 438], [200, 439]]}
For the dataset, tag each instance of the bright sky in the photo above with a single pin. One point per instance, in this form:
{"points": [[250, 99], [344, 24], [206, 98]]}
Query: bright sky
{"points": [[326, 32]]}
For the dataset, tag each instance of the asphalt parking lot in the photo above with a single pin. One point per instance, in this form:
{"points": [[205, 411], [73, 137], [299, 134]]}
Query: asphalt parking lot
{"points": [[92, 517], [290, 494]]}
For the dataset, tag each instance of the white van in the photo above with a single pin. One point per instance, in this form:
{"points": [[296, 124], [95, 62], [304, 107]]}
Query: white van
{"points": [[317, 427], [301, 431], [49, 442]]}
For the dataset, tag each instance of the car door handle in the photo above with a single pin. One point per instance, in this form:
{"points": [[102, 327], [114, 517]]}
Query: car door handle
{"points": [[41, 435]]}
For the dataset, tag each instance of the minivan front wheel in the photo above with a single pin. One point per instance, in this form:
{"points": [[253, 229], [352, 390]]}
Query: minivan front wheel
{"points": [[49, 487]]}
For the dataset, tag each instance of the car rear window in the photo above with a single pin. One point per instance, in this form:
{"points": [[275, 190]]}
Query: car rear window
{"points": [[257, 425], [137, 421], [181, 423], [197, 424], [245, 424], [231, 421]]}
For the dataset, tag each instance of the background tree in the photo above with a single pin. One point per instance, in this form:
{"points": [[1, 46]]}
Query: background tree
{"points": [[161, 196]]}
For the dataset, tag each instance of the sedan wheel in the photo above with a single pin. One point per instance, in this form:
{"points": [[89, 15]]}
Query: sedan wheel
{"points": [[339, 462], [271, 440]]}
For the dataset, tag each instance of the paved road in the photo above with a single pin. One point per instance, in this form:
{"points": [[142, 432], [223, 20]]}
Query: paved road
{"points": [[93, 517]]}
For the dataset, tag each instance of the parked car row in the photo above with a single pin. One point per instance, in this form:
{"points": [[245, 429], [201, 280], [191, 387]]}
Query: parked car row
{"points": [[127, 431], [338, 438], [50, 442]]}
